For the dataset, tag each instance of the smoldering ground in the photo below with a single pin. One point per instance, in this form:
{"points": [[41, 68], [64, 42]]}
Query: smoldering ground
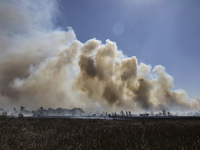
{"points": [[44, 66]]}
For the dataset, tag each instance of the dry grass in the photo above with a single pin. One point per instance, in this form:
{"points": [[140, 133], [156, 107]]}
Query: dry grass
{"points": [[47, 133]]}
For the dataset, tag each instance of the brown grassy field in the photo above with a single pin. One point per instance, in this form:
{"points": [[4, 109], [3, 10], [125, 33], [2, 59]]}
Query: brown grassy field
{"points": [[55, 133]]}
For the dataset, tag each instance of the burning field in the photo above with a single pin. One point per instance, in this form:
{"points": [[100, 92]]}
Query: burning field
{"points": [[44, 65], [60, 133]]}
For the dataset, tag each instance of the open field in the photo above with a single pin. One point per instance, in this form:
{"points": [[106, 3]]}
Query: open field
{"points": [[62, 133]]}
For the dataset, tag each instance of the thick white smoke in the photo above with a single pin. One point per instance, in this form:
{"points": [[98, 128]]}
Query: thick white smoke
{"points": [[43, 66]]}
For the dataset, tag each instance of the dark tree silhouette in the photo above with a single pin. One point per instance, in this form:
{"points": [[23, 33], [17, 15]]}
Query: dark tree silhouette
{"points": [[22, 108], [122, 113], [164, 112], [129, 113]]}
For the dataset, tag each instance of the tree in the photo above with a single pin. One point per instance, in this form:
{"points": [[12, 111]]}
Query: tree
{"points": [[122, 113], [41, 108], [15, 110], [129, 113], [164, 112], [41, 111], [22, 108]]}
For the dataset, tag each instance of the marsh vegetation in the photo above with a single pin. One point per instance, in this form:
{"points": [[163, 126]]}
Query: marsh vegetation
{"points": [[62, 133]]}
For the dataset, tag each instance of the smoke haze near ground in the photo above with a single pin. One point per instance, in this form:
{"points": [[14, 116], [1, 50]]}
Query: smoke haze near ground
{"points": [[44, 66]]}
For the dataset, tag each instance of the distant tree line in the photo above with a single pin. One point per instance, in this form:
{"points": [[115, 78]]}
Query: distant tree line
{"points": [[41, 112]]}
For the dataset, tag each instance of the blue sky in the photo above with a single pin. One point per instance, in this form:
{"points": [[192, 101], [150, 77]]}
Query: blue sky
{"points": [[156, 32]]}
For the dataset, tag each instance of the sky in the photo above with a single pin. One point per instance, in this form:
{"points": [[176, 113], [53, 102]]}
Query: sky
{"points": [[100, 55], [157, 32]]}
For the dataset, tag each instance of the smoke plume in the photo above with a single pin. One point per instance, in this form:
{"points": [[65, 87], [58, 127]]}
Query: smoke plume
{"points": [[44, 66]]}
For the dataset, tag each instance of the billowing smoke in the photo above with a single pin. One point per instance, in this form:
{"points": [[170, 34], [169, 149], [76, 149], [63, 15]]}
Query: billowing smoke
{"points": [[43, 66]]}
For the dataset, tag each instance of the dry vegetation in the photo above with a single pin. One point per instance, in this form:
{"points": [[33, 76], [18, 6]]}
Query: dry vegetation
{"points": [[49, 133]]}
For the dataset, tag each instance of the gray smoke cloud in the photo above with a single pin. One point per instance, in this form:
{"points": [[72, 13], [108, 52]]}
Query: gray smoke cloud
{"points": [[42, 66]]}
